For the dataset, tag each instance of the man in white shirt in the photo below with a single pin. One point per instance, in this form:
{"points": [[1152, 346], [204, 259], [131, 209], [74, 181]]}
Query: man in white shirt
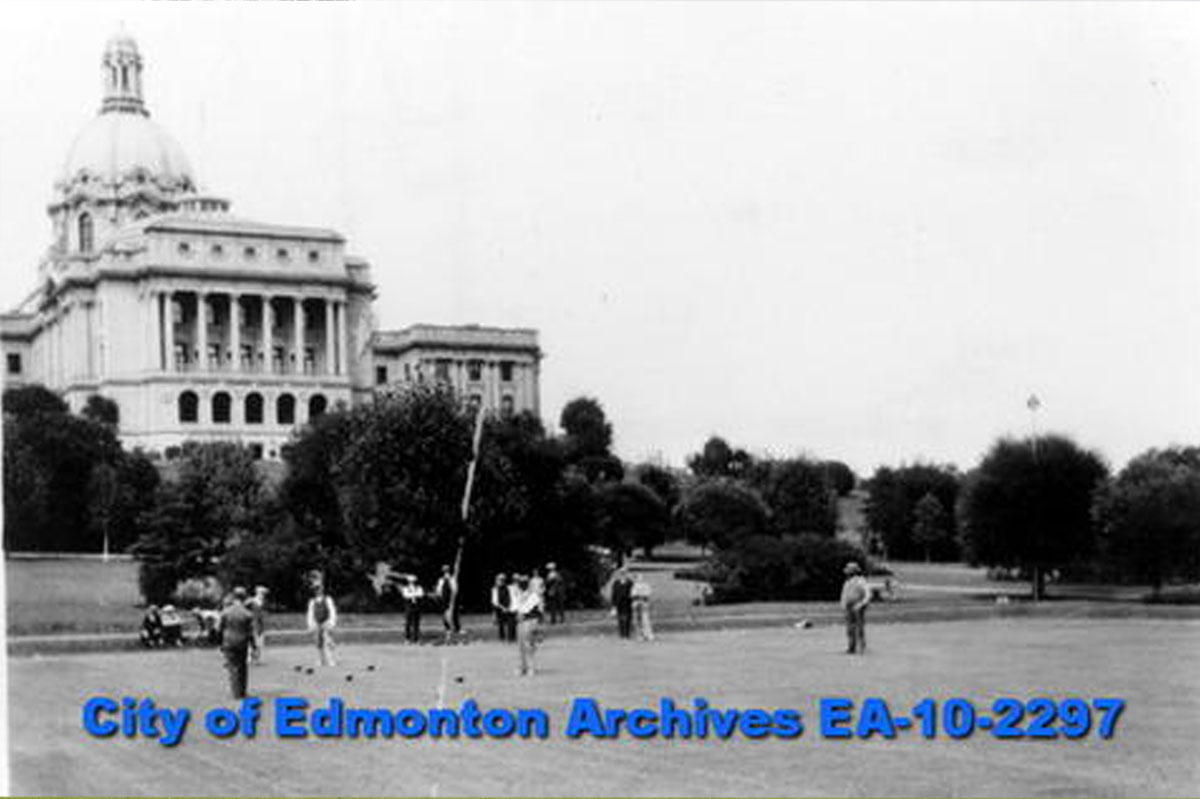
{"points": [[527, 606], [411, 593]]}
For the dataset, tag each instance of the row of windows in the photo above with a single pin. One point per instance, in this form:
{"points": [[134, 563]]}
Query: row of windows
{"points": [[441, 371], [249, 252], [252, 408]]}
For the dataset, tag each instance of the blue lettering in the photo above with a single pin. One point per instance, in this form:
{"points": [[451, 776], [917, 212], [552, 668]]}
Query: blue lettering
{"points": [[91, 712], [289, 709], [835, 711]]}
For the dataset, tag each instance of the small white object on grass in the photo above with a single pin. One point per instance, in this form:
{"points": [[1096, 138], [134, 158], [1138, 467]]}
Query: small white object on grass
{"points": [[803, 624]]}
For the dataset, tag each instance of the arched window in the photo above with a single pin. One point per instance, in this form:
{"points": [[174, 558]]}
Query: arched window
{"points": [[285, 409], [254, 408], [221, 407], [316, 406], [189, 407], [86, 233]]}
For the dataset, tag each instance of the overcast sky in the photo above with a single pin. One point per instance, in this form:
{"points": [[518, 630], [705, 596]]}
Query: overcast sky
{"points": [[862, 231]]}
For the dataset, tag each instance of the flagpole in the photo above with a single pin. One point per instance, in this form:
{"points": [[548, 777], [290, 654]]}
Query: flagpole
{"points": [[476, 438]]}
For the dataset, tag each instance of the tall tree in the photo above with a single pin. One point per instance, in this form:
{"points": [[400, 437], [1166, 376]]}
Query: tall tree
{"points": [[931, 524], [1028, 505], [718, 513], [799, 495], [588, 433], [892, 497], [717, 459], [632, 516], [216, 501], [1149, 517]]}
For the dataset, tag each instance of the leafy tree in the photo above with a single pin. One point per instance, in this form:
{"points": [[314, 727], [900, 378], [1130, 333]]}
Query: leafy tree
{"points": [[102, 410], [719, 512], [798, 494], [309, 489], [217, 501], [893, 494], [49, 457], [841, 477], [1149, 517], [587, 430], [931, 525], [718, 459], [1028, 505], [22, 401], [661, 481], [400, 480], [632, 516], [530, 509]]}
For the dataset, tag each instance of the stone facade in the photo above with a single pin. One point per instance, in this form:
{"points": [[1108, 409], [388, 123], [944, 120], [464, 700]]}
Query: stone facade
{"points": [[202, 325]]}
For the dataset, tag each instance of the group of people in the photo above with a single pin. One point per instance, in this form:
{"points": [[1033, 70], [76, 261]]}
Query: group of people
{"points": [[630, 597], [509, 593], [165, 627], [519, 603]]}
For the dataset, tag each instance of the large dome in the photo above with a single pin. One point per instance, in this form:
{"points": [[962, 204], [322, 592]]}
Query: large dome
{"points": [[122, 145], [115, 147]]}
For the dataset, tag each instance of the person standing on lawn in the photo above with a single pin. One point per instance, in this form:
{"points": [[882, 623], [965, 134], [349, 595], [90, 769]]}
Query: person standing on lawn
{"points": [[322, 618], [856, 595], [622, 602], [236, 630]]}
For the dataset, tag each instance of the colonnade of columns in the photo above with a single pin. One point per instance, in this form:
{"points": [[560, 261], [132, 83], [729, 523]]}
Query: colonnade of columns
{"points": [[202, 331]]}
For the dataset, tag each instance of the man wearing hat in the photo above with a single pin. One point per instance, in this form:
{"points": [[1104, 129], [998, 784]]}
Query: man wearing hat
{"points": [[622, 602], [412, 594], [556, 594], [856, 595], [236, 630], [502, 596]]}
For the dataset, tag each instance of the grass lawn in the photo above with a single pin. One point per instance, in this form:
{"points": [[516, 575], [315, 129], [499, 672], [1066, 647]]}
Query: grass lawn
{"points": [[1149, 663]]}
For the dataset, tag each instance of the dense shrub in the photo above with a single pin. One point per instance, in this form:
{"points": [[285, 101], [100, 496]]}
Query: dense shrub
{"points": [[803, 567]]}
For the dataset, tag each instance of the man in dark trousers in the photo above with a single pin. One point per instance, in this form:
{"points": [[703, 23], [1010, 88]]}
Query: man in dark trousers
{"points": [[856, 595], [556, 594], [447, 594], [413, 594], [237, 627], [502, 608], [622, 601]]}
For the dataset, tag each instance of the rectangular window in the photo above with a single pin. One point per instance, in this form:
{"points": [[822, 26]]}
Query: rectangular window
{"points": [[380, 375], [506, 371], [442, 370], [475, 371], [14, 363]]}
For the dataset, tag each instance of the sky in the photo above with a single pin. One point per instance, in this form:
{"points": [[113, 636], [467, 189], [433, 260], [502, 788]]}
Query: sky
{"points": [[860, 231]]}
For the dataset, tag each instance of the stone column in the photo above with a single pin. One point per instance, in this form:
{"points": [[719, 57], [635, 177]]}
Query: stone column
{"points": [[235, 330], [267, 323], [202, 330], [343, 366], [330, 362], [167, 324], [298, 332]]}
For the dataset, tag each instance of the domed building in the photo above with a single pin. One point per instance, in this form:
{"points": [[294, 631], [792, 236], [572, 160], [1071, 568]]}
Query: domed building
{"points": [[202, 325]]}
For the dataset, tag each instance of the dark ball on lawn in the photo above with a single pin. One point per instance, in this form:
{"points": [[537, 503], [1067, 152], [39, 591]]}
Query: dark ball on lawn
{"points": [[349, 678], [371, 667], [458, 679], [308, 671], [298, 668]]}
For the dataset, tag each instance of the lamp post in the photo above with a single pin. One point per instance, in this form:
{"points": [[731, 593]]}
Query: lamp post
{"points": [[1033, 404]]}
